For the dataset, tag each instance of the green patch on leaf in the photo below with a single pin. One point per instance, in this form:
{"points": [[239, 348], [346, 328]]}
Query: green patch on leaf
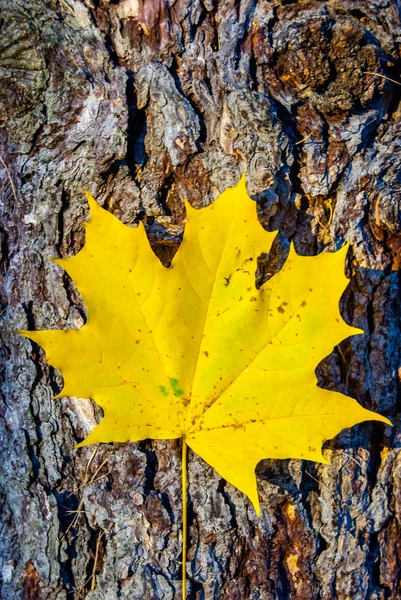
{"points": [[175, 386]]}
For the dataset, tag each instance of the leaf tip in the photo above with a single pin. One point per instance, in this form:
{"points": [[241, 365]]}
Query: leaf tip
{"points": [[242, 179], [344, 249], [254, 498], [188, 207], [30, 335], [80, 445], [58, 261], [382, 419], [86, 442], [323, 460], [93, 205]]}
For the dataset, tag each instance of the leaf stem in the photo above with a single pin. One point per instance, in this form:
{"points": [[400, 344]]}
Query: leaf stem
{"points": [[184, 518]]}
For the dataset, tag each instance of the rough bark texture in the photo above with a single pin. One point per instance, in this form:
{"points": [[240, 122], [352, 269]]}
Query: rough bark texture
{"points": [[144, 103]]}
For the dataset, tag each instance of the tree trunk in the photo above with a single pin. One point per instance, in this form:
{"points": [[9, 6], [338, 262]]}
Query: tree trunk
{"points": [[145, 103]]}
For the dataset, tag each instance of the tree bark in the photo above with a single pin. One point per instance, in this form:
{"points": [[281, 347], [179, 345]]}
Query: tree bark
{"points": [[145, 103]]}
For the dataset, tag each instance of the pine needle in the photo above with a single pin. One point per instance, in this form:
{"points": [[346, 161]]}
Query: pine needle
{"points": [[93, 582], [382, 76], [303, 139], [87, 481], [64, 3], [9, 178]]}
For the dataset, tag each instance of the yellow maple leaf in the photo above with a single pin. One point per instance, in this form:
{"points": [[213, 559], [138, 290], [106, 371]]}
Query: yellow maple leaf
{"points": [[196, 351]]}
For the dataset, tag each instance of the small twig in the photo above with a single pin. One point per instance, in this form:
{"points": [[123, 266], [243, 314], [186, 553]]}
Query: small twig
{"points": [[382, 76], [10, 179]]}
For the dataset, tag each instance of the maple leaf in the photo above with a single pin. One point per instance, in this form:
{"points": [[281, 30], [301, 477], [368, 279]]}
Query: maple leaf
{"points": [[196, 351]]}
